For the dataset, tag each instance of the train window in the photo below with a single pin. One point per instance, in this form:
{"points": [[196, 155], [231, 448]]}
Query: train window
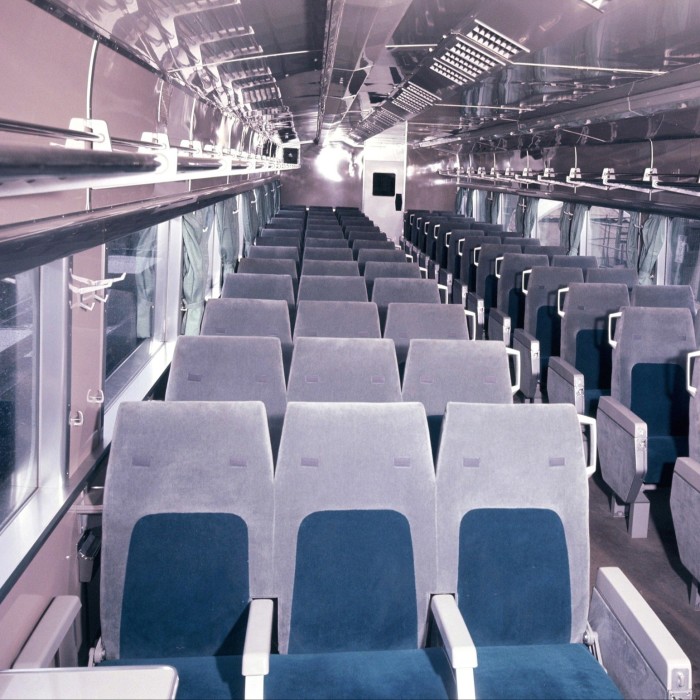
{"points": [[18, 390], [383, 184], [509, 205], [548, 213], [608, 230], [683, 258]]}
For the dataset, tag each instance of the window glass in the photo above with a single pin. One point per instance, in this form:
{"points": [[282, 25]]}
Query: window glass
{"points": [[131, 300], [509, 205], [547, 230], [18, 367], [683, 260], [607, 236]]}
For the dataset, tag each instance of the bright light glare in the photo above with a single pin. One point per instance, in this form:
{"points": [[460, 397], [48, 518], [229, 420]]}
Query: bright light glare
{"points": [[329, 161]]}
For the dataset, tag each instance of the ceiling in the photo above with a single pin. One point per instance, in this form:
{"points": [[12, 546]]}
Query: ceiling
{"points": [[318, 70]]}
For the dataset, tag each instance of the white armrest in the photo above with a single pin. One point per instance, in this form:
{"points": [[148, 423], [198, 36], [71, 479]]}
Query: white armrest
{"points": [[635, 621], [458, 643], [49, 633], [565, 384], [256, 649]]}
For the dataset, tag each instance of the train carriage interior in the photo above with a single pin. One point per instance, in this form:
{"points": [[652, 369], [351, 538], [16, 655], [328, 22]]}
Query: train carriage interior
{"points": [[348, 349]]}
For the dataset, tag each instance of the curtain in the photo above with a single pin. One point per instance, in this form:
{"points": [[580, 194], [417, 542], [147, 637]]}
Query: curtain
{"points": [[571, 226], [248, 219], [493, 205], [196, 229], [276, 200], [145, 281], [633, 233], [652, 240], [480, 212], [227, 223], [526, 216], [460, 201]]}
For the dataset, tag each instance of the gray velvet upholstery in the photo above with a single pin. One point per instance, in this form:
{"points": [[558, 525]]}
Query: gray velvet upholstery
{"points": [[329, 243], [255, 317], [313, 253], [157, 465], [388, 290], [542, 291], [675, 296], [374, 270], [227, 368], [325, 232], [551, 250], [256, 286], [332, 288], [366, 255], [365, 244], [269, 267], [344, 369], [440, 371], [581, 261], [337, 319], [354, 457], [275, 253], [511, 277], [405, 322], [521, 456], [465, 265], [485, 272], [611, 275], [685, 509], [336, 268]]}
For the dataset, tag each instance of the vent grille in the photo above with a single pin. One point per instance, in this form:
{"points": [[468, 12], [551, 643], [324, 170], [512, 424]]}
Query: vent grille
{"points": [[495, 42], [413, 99]]}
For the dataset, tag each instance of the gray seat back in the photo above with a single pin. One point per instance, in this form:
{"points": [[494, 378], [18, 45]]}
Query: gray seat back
{"points": [[387, 290], [344, 369], [313, 253], [354, 527], [335, 268], [375, 270], [270, 267], [337, 319], [331, 288], [509, 477], [171, 508], [611, 275], [227, 368], [582, 261], [404, 322], [243, 285], [329, 243], [275, 253], [366, 255], [486, 283], [509, 297], [364, 244], [673, 296]]}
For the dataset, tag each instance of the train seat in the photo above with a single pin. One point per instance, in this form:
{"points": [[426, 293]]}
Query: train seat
{"points": [[332, 288], [227, 368], [171, 509], [344, 369], [337, 319], [388, 290], [250, 317], [312, 252], [325, 232], [440, 371], [364, 234], [363, 243], [611, 275], [270, 267], [508, 313], [329, 243], [551, 250], [517, 551], [584, 262], [673, 296], [275, 253], [483, 295], [251, 285], [404, 322], [643, 424], [280, 232], [375, 269], [278, 241], [335, 268], [539, 338], [451, 272], [354, 556], [366, 255], [685, 510], [582, 372]]}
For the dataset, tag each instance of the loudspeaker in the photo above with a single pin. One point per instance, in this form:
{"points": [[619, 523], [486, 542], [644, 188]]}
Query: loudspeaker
{"points": [[290, 155]]}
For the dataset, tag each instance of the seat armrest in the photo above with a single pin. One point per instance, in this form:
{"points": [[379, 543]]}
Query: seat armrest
{"points": [[622, 448], [565, 384], [499, 326], [457, 641], [529, 348], [637, 650], [256, 649], [475, 304]]}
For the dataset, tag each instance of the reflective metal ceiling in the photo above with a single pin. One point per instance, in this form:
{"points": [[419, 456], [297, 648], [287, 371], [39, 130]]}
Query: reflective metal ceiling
{"points": [[318, 69]]}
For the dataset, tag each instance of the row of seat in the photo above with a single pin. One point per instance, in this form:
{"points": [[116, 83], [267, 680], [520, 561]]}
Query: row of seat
{"points": [[339, 370], [317, 579]]}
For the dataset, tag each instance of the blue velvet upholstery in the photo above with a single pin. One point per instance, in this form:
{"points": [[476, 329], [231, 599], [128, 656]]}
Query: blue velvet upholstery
{"points": [[544, 671], [210, 677], [416, 673], [165, 612], [354, 585], [529, 600]]}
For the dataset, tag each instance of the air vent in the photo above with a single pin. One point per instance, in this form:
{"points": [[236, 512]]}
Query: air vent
{"points": [[495, 42], [413, 99]]}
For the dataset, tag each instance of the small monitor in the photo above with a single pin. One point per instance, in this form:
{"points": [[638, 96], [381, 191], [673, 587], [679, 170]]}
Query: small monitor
{"points": [[383, 184]]}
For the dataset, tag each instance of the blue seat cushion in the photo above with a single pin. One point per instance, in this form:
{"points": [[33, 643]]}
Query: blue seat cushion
{"points": [[559, 671], [201, 677], [404, 673]]}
